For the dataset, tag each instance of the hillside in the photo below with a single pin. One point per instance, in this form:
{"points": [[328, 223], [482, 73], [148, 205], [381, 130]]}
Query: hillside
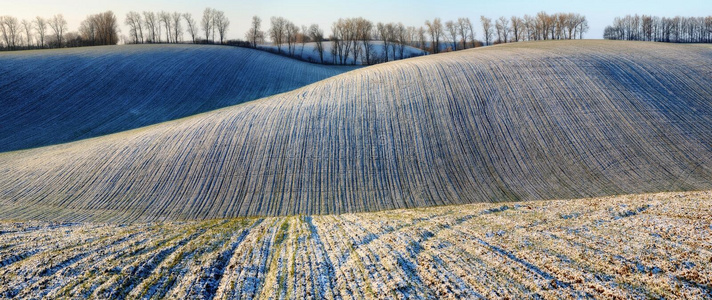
{"points": [[308, 52], [57, 96], [557, 249], [516, 122]]}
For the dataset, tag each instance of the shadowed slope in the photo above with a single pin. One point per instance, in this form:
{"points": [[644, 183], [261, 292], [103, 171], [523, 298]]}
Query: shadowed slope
{"points": [[516, 122], [57, 96]]}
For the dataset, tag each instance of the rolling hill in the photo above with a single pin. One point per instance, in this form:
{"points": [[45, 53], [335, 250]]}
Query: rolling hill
{"points": [[525, 121], [58, 96]]}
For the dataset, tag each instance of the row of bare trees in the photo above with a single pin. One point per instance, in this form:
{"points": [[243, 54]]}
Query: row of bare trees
{"points": [[98, 29], [452, 35], [147, 27], [352, 39], [542, 26], [661, 29], [28, 34]]}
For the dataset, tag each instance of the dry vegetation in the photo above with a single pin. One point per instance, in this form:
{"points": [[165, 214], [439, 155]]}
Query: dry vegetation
{"points": [[58, 96], [640, 246], [524, 121]]}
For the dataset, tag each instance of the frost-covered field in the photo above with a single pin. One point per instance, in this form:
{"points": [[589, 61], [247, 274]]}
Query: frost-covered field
{"points": [[639, 246], [308, 52], [523, 121], [56, 96]]}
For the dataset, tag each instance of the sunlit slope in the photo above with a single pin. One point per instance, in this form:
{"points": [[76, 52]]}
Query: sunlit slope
{"points": [[516, 122], [56, 96]]}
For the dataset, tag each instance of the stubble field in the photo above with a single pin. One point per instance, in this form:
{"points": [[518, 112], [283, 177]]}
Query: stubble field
{"points": [[638, 246]]}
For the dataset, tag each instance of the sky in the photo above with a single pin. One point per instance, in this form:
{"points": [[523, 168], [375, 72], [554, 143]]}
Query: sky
{"points": [[599, 13]]}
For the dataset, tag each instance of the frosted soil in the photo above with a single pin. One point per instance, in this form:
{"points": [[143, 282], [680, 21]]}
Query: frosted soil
{"points": [[636, 246]]}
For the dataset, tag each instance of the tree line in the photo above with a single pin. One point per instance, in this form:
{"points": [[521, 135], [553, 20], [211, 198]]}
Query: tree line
{"points": [[660, 29], [98, 29], [165, 27], [103, 29], [353, 38]]}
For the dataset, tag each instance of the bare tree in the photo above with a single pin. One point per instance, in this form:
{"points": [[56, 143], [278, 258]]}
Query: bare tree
{"points": [[291, 31], [393, 32], [463, 26], [277, 31], [560, 23], [436, 30], [472, 33], [360, 31], [401, 36], [3, 31], [14, 31], [255, 34], [27, 26], [334, 49], [364, 34], [343, 32], [59, 26], [192, 29], [135, 23], [530, 27], [582, 26], [207, 23], [452, 30], [165, 18], [88, 30], [303, 37], [317, 35], [647, 24], [544, 23], [41, 28], [152, 26], [177, 27], [221, 23], [99, 29], [10, 29], [502, 26], [412, 36], [421, 38], [517, 28], [486, 29], [108, 27], [384, 33]]}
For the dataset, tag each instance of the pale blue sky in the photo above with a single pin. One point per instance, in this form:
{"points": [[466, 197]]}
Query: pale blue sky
{"points": [[600, 13]]}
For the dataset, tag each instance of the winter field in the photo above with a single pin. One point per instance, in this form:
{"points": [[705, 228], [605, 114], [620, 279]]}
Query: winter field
{"points": [[308, 52], [517, 122], [207, 172], [58, 96], [640, 246]]}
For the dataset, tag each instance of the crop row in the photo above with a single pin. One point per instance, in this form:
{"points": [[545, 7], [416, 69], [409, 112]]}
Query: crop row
{"points": [[640, 246]]}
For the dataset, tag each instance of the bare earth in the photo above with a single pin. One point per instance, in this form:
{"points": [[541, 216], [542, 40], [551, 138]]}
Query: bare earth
{"points": [[638, 246]]}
